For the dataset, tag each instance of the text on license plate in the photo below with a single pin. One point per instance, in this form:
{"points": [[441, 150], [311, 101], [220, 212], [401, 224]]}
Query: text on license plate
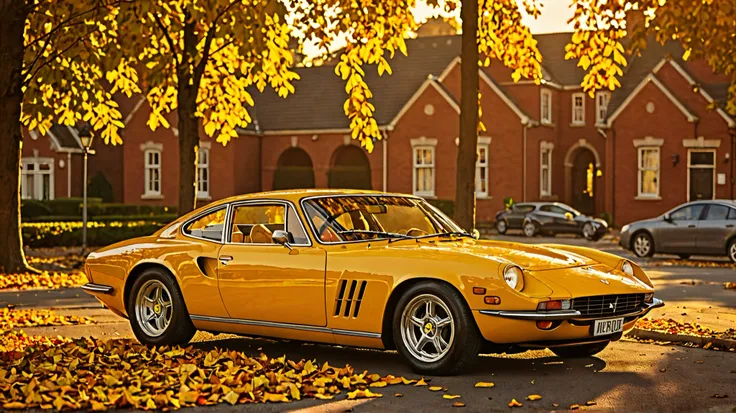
{"points": [[605, 327]]}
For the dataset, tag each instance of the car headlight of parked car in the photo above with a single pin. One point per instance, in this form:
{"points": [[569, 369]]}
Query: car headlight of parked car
{"points": [[625, 228], [628, 268], [514, 277]]}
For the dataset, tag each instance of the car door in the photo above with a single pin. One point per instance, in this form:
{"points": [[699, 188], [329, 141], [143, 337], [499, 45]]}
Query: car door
{"points": [[516, 216], [264, 281], [713, 229], [568, 223], [679, 230]]}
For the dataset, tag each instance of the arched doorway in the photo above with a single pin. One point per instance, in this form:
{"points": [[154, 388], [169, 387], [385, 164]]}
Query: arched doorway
{"points": [[584, 173], [349, 169], [294, 170]]}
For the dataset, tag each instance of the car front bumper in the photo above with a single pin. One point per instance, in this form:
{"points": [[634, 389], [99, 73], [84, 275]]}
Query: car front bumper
{"points": [[520, 327]]}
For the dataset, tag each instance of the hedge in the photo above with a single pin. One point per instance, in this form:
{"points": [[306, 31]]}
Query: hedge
{"points": [[69, 234], [72, 207]]}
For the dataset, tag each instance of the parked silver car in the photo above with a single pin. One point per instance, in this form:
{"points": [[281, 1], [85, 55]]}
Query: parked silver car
{"points": [[694, 228]]}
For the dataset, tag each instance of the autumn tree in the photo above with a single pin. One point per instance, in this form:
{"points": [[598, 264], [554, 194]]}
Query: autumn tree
{"points": [[54, 58], [704, 28]]}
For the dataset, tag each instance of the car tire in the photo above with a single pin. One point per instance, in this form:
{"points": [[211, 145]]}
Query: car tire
{"points": [[157, 311], [582, 350], [589, 231], [449, 325], [732, 250], [683, 256], [642, 245], [530, 229], [501, 226]]}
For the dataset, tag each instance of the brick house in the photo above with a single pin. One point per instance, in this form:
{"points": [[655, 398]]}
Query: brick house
{"points": [[656, 142]]}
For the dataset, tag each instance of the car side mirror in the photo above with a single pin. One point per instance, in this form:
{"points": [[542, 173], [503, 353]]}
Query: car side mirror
{"points": [[283, 237], [667, 217]]}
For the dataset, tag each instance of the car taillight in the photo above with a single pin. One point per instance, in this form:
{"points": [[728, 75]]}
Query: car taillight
{"points": [[554, 305]]}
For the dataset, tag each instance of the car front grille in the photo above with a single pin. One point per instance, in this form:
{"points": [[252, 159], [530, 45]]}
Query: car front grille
{"points": [[608, 305]]}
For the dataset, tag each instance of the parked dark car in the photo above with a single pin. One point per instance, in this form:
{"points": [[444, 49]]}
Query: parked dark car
{"points": [[698, 227], [549, 218]]}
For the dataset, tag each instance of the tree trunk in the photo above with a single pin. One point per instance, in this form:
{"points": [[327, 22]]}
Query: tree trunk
{"points": [[188, 148], [188, 122], [467, 150], [13, 15]]}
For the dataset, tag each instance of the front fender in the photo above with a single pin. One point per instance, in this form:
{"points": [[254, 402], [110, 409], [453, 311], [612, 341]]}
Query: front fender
{"points": [[611, 260]]}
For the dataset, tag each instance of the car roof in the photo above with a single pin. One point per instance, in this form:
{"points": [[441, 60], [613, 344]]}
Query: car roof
{"points": [[729, 202], [295, 195]]}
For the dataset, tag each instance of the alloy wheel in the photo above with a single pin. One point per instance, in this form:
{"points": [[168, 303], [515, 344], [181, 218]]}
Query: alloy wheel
{"points": [[529, 229], [427, 328], [588, 230], [732, 252], [642, 246], [501, 226], [153, 308]]}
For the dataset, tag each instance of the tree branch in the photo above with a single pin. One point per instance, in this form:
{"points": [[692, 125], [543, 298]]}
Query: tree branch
{"points": [[167, 36], [199, 69], [27, 80]]}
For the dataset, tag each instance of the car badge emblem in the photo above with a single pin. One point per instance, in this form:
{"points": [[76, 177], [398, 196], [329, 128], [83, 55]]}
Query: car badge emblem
{"points": [[605, 281]]}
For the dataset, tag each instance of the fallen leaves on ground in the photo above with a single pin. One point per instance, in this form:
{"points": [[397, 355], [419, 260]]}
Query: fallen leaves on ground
{"points": [[65, 263], [691, 263], [451, 396], [574, 406], [670, 326], [514, 403], [99, 375], [484, 384], [533, 397], [45, 279], [20, 317], [458, 404], [730, 285], [435, 388]]}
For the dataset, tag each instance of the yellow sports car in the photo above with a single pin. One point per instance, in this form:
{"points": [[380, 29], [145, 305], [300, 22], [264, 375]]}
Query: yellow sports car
{"points": [[365, 269]]}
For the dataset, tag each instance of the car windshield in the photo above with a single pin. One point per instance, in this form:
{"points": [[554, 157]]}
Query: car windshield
{"points": [[366, 217]]}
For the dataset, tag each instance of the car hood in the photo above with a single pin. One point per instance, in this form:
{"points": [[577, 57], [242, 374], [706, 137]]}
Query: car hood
{"points": [[591, 280], [528, 257]]}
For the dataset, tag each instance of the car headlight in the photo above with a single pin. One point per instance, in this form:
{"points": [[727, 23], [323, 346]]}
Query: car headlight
{"points": [[649, 297], [513, 277], [625, 228], [628, 268]]}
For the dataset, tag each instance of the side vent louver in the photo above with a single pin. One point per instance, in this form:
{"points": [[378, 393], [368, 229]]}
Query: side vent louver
{"points": [[349, 296]]}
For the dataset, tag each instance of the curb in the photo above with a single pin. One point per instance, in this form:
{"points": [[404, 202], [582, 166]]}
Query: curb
{"points": [[680, 338]]}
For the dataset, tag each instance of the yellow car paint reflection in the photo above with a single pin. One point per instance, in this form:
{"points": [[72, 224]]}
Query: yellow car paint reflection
{"points": [[348, 258]]}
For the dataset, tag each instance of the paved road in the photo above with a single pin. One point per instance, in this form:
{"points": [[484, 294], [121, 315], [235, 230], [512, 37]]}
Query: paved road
{"points": [[628, 376]]}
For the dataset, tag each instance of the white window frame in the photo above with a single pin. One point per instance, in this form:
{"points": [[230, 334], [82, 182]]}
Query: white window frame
{"points": [[423, 144], [601, 108], [38, 175], [545, 150], [640, 170], [203, 163], [578, 110], [546, 118], [148, 189], [690, 151], [483, 143]]}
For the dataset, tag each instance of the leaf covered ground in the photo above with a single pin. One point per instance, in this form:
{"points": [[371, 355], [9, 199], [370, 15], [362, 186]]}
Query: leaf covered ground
{"points": [[44, 279], [671, 326]]}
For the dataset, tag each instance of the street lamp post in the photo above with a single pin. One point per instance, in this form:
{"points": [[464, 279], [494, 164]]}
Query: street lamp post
{"points": [[86, 137]]}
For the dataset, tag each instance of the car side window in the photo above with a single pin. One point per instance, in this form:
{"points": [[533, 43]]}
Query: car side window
{"points": [[731, 213], [208, 227], [255, 223], [523, 209], [554, 209], [688, 213], [717, 212]]}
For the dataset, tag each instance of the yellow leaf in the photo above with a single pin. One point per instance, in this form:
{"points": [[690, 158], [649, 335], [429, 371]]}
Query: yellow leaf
{"points": [[421, 382], [378, 384], [231, 397], [533, 397], [451, 396], [275, 398], [363, 394], [435, 388], [484, 384], [514, 403], [458, 404]]}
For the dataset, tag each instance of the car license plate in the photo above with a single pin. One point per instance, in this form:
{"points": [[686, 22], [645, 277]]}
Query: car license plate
{"points": [[606, 327]]}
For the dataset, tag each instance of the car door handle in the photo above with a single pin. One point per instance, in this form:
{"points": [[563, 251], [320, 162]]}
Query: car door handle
{"points": [[729, 226], [691, 226], [224, 259]]}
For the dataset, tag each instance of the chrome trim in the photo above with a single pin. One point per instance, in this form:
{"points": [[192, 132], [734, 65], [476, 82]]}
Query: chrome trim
{"points": [[202, 214], [97, 288], [274, 324], [566, 314]]}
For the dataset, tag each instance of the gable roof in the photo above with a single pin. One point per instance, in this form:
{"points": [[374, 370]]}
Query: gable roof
{"points": [[652, 78], [65, 137]]}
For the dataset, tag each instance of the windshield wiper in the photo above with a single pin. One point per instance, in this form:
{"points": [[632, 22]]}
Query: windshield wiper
{"points": [[369, 232], [448, 234]]}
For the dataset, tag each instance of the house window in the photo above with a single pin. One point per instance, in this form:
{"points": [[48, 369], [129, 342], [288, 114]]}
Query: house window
{"points": [[481, 171], [152, 159], [546, 106], [601, 106], [648, 172], [424, 170], [37, 178], [545, 169], [203, 173], [701, 165], [578, 109]]}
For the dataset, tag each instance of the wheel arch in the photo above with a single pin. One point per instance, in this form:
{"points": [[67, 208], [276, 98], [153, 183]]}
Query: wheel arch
{"points": [[729, 240], [387, 333], [136, 272]]}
